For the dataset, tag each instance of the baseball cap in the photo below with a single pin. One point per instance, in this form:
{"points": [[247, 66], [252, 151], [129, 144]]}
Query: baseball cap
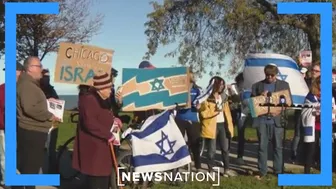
{"points": [[19, 67], [146, 65]]}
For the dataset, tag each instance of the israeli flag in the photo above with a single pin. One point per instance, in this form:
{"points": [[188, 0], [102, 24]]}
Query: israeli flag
{"points": [[288, 71], [159, 145], [205, 94]]}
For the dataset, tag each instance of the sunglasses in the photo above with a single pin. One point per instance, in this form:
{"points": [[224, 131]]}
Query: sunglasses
{"points": [[270, 75]]}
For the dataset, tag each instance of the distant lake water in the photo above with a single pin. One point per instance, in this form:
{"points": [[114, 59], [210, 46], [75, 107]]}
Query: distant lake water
{"points": [[71, 101]]}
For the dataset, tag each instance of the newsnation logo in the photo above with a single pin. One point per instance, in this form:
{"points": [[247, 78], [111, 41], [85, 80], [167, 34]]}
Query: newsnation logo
{"points": [[124, 176]]}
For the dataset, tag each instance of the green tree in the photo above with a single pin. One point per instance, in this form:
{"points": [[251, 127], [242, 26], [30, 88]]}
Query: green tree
{"points": [[207, 31], [38, 35]]}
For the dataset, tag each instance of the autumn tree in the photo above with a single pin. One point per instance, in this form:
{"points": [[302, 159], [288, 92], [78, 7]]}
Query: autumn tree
{"points": [[208, 31], [38, 35]]}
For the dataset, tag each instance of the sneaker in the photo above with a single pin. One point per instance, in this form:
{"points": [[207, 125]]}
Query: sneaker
{"points": [[240, 161], [261, 177], [293, 159], [230, 173]]}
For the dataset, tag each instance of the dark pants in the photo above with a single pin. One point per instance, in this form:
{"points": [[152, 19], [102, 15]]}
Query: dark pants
{"points": [[223, 136], [242, 123], [266, 133], [95, 182], [193, 131], [30, 152], [312, 152], [235, 114], [297, 134], [52, 164]]}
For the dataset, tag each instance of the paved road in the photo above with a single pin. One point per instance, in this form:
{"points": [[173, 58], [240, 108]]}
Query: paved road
{"points": [[250, 158]]}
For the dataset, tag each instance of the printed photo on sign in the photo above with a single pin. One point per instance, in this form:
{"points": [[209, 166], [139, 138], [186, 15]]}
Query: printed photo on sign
{"points": [[56, 107], [306, 58]]}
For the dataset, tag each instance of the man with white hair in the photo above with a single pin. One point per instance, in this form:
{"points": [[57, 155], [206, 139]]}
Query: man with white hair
{"points": [[33, 119]]}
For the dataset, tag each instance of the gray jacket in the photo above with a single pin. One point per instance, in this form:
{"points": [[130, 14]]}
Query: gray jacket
{"points": [[31, 105]]}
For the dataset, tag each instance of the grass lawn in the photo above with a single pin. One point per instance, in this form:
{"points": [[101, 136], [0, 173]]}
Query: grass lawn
{"points": [[67, 130]]}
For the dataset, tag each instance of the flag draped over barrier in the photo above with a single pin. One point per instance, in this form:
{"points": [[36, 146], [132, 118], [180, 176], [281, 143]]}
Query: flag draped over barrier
{"points": [[288, 71], [159, 145]]}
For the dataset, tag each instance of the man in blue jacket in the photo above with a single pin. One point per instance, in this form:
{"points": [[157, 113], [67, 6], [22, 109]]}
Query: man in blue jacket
{"points": [[188, 122]]}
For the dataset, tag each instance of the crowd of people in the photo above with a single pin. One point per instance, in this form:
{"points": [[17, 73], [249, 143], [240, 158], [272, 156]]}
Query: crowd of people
{"points": [[99, 105]]}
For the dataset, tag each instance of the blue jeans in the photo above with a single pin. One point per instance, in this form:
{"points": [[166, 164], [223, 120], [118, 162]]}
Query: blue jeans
{"points": [[224, 143], [270, 132]]}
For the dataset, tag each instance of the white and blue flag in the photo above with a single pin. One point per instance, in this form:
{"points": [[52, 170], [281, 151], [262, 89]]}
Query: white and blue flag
{"points": [[159, 145], [205, 94], [288, 71]]}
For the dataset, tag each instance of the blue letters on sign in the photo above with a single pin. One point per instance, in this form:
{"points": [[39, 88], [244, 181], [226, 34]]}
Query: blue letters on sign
{"points": [[11, 11], [73, 74]]}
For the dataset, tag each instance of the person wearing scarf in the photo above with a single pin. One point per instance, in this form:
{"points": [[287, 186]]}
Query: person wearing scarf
{"points": [[312, 126], [216, 123]]}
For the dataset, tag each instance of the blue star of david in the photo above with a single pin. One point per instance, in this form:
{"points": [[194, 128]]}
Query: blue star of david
{"points": [[157, 84], [160, 144], [282, 76]]}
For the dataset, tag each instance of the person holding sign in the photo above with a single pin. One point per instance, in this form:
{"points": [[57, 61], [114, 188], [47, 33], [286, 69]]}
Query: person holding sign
{"points": [[92, 155], [269, 126], [34, 119]]}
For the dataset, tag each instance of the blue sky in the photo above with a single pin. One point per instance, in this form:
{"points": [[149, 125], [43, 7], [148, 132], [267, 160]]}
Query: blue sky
{"points": [[123, 31]]}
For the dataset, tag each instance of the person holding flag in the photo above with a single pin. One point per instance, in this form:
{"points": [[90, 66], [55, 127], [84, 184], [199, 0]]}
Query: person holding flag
{"points": [[216, 121], [92, 153], [188, 122]]}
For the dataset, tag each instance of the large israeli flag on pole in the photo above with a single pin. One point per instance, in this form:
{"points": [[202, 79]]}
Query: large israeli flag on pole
{"points": [[288, 71], [159, 145]]}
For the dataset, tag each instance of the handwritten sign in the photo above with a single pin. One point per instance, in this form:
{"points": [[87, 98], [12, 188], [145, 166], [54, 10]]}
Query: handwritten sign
{"points": [[160, 88], [77, 64], [257, 110]]}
